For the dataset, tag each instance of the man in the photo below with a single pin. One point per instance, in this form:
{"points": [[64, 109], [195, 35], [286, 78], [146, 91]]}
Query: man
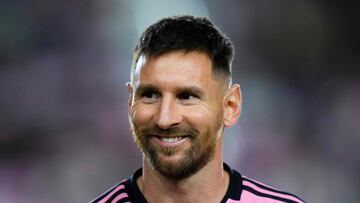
{"points": [[181, 98]]}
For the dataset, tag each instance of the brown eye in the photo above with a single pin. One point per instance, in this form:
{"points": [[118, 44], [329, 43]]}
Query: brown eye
{"points": [[149, 97], [148, 94], [186, 96]]}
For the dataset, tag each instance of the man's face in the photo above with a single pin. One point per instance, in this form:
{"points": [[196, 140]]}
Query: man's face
{"points": [[176, 112]]}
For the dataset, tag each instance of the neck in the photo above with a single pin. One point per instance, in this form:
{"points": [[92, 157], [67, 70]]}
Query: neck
{"points": [[207, 185]]}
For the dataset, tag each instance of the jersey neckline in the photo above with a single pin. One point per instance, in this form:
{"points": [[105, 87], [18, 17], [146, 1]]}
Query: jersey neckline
{"points": [[233, 191]]}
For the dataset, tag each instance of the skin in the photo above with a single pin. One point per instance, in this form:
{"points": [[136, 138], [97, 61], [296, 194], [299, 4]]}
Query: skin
{"points": [[184, 94]]}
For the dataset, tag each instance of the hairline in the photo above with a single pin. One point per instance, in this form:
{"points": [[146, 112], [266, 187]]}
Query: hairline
{"points": [[215, 73]]}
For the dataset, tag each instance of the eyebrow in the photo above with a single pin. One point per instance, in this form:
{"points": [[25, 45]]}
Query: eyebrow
{"points": [[186, 89], [145, 88]]}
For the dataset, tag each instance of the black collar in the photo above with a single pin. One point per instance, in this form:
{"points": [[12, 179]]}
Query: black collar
{"points": [[233, 191]]}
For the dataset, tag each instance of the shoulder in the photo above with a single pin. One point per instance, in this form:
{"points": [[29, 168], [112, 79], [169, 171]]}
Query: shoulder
{"points": [[117, 193], [245, 190], [125, 191], [255, 191]]}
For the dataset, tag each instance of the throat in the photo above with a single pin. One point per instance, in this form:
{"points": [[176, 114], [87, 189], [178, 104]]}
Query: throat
{"points": [[197, 188]]}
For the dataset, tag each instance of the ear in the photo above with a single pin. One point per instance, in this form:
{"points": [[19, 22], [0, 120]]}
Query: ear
{"points": [[130, 95], [232, 105]]}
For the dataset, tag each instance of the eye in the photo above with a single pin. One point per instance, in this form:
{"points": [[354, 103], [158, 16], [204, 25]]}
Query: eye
{"points": [[149, 96], [186, 96]]}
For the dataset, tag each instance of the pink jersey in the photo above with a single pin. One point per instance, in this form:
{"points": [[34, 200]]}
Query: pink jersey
{"points": [[241, 190]]}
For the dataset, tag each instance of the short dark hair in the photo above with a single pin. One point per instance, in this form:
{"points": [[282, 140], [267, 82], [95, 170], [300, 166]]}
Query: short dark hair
{"points": [[187, 33]]}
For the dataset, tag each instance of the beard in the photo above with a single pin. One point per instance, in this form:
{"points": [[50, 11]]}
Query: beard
{"points": [[201, 151]]}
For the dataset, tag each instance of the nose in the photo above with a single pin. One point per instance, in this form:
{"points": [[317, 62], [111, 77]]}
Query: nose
{"points": [[168, 114]]}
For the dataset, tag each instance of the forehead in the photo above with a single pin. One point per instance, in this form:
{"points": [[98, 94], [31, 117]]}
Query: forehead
{"points": [[175, 68]]}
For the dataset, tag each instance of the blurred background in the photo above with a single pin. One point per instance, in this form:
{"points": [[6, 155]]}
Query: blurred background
{"points": [[64, 133]]}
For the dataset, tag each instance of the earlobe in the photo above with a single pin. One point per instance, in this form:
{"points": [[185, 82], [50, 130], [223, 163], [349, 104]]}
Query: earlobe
{"points": [[232, 107], [130, 95]]}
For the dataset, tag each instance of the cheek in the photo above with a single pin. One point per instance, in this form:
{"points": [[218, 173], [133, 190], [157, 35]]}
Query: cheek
{"points": [[199, 118], [142, 114], [205, 118]]}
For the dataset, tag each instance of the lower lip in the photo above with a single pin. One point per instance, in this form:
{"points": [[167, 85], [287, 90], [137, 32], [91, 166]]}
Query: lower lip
{"points": [[171, 144]]}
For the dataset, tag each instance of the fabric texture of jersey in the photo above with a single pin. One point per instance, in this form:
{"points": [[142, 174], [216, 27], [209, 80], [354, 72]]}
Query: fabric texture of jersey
{"points": [[240, 190]]}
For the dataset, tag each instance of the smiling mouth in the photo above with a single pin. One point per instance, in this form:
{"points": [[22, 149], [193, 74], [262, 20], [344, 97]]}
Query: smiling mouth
{"points": [[172, 139]]}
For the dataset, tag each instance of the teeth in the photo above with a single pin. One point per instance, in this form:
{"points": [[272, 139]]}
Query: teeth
{"points": [[171, 139]]}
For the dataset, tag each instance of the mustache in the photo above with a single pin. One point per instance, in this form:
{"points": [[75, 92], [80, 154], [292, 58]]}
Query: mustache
{"points": [[174, 131]]}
